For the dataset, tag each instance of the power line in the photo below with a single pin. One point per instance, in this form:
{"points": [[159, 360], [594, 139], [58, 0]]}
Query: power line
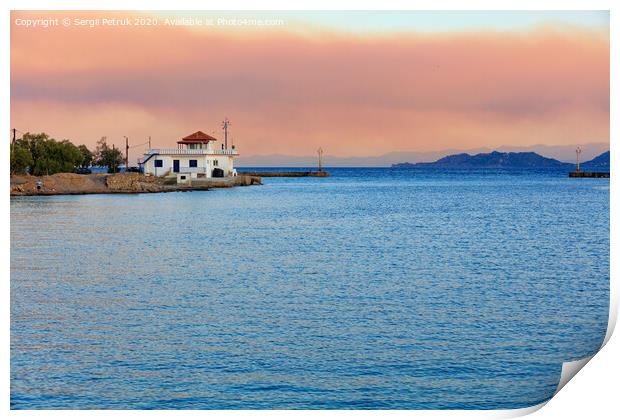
{"points": [[141, 144]]}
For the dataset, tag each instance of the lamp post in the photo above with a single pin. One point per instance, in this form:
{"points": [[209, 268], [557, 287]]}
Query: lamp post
{"points": [[225, 125]]}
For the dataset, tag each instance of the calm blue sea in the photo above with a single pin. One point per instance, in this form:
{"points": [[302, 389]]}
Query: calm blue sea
{"points": [[372, 289]]}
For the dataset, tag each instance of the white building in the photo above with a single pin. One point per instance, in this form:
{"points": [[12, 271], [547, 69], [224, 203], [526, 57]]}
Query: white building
{"points": [[195, 156]]}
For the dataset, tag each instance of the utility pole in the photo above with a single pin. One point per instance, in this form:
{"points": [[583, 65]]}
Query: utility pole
{"points": [[320, 152], [225, 125], [113, 159], [578, 151], [126, 153], [12, 144], [149, 142]]}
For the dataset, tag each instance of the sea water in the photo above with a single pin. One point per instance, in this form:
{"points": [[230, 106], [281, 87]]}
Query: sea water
{"points": [[371, 289]]}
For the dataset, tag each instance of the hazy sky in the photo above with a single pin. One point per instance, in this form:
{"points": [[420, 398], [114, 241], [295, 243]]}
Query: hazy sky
{"points": [[357, 84]]}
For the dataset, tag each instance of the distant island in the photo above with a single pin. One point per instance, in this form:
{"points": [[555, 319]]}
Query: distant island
{"points": [[507, 160], [599, 163]]}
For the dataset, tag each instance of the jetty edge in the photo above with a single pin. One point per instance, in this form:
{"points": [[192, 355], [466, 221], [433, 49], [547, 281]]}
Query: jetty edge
{"points": [[284, 174], [120, 183], [586, 174]]}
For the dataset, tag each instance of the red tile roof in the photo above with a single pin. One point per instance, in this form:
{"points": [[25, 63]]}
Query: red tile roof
{"points": [[197, 137]]}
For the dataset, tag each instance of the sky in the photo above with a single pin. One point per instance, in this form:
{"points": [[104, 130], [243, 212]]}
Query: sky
{"points": [[352, 83]]}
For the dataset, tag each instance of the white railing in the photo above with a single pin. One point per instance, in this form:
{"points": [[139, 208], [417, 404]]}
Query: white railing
{"points": [[231, 152], [197, 170]]}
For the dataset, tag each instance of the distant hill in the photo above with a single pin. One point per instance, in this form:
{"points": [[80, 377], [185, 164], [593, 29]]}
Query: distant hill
{"points": [[493, 160], [599, 163]]}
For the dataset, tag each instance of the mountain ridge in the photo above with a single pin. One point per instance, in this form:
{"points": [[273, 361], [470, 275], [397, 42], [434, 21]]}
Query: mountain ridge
{"points": [[600, 162], [508, 160]]}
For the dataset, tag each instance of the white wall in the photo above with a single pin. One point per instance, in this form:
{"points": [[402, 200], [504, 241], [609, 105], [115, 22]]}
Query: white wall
{"points": [[204, 161], [226, 163]]}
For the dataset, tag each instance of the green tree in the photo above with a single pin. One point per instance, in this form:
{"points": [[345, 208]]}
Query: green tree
{"points": [[48, 155], [35, 144], [111, 157], [87, 156], [21, 158]]}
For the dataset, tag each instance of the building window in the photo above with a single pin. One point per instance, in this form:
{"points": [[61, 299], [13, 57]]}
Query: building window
{"points": [[193, 163], [159, 163], [215, 162]]}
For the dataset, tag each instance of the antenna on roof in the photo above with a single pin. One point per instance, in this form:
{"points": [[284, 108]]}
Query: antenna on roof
{"points": [[225, 125]]}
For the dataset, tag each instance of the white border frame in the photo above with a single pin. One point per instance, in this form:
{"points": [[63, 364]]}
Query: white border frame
{"points": [[598, 381]]}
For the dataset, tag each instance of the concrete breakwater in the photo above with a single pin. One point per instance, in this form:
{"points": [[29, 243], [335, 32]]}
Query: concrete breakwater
{"points": [[582, 174], [287, 174], [124, 183]]}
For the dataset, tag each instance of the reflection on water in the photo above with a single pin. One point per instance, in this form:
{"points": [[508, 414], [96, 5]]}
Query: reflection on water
{"points": [[373, 288]]}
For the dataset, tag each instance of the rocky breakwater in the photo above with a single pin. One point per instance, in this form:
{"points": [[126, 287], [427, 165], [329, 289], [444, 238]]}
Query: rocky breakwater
{"points": [[133, 183], [286, 174], [125, 183], [69, 183]]}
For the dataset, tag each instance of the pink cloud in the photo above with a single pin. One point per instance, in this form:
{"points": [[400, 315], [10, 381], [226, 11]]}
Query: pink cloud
{"points": [[288, 93]]}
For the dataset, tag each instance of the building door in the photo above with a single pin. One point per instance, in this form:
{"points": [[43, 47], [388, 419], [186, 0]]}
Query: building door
{"points": [[175, 165]]}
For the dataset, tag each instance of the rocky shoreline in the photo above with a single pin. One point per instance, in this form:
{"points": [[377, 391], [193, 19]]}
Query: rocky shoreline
{"points": [[124, 183]]}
